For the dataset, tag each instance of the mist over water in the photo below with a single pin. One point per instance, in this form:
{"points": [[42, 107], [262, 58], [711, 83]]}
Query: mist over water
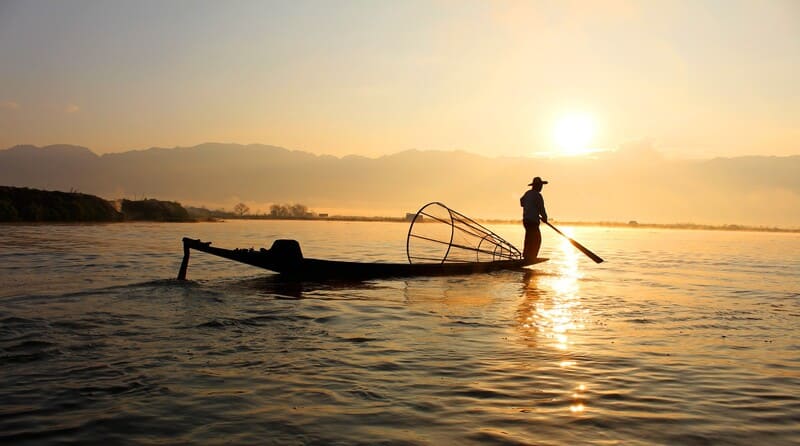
{"points": [[681, 337]]}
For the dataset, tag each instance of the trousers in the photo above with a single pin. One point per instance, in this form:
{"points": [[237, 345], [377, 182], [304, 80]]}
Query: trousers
{"points": [[533, 239]]}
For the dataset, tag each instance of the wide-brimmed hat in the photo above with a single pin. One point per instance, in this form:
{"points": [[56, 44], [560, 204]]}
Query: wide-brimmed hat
{"points": [[537, 180]]}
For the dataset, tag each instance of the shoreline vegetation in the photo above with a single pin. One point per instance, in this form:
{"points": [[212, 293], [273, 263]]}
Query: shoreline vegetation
{"points": [[610, 224], [25, 205]]}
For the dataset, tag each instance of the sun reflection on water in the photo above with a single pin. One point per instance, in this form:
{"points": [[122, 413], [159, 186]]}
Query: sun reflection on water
{"points": [[551, 308], [551, 311], [577, 408]]}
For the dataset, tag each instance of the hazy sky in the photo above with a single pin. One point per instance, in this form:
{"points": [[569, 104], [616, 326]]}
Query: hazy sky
{"points": [[692, 78]]}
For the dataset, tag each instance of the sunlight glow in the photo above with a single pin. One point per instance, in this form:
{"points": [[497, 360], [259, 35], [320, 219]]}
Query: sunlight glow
{"points": [[573, 133], [552, 312], [578, 405], [557, 318], [577, 408]]}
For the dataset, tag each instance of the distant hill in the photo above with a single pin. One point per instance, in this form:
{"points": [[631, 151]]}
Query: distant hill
{"points": [[630, 184]]}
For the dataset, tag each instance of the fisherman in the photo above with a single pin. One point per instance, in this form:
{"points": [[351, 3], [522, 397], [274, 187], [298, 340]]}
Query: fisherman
{"points": [[532, 210]]}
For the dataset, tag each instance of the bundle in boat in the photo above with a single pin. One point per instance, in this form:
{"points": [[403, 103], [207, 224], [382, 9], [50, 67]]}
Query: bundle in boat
{"points": [[439, 234]]}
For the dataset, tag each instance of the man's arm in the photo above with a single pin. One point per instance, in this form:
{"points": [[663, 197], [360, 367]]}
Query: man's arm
{"points": [[542, 212]]}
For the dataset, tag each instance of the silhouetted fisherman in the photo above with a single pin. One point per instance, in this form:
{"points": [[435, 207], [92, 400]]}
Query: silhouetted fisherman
{"points": [[532, 209]]}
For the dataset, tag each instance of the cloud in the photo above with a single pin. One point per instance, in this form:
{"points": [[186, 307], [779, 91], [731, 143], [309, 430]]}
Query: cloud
{"points": [[9, 105], [72, 108]]}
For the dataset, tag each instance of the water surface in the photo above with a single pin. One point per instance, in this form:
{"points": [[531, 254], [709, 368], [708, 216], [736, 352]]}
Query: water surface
{"points": [[681, 337]]}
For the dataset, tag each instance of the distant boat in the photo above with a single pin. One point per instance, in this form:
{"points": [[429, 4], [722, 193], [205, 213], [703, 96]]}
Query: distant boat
{"points": [[440, 241]]}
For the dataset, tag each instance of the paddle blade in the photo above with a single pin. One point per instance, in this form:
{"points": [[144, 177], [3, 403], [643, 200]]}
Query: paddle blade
{"points": [[580, 247], [586, 251]]}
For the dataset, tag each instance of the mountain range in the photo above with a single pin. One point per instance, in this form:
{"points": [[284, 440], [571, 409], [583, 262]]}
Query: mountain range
{"points": [[633, 183]]}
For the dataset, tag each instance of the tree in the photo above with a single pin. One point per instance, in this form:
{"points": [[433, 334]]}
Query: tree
{"points": [[277, 210], [298, 210], [289, 210], [241, 209]]}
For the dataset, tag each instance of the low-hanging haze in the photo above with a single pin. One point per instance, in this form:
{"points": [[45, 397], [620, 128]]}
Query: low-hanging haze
{"points": [[634, 183]]}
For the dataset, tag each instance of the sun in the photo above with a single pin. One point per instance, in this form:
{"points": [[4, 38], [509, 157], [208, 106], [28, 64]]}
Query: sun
{"points": [[574, 133]]}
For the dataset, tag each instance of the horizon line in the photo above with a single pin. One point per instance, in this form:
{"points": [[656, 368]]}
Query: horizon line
{"points": [[630, 224]]}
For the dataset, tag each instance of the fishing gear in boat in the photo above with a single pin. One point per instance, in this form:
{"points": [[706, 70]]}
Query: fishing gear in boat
{"points": [[439, 234], [440, 241]]}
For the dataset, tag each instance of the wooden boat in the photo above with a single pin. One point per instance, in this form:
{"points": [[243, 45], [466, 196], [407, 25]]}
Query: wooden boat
{"points": [[440, 241]]}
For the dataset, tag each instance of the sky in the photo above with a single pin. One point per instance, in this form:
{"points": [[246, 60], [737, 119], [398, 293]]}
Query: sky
{"points": [[692, 79]]}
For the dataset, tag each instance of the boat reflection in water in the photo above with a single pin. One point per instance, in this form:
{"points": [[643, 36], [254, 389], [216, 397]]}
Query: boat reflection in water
{"points": [[551, 313]]}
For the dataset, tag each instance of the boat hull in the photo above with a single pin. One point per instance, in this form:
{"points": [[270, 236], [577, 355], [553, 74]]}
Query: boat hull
{"points": [[295, 266]]}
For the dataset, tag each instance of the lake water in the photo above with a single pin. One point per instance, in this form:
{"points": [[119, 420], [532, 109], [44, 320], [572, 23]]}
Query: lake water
{"points": [[681, 337]]}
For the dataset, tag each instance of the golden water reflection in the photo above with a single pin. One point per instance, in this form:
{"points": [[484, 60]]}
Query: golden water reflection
{"points": [[550, 312], [551, 304]]}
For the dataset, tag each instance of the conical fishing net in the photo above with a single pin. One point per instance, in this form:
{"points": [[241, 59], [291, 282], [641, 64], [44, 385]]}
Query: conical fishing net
{"points": [[439, 234]]}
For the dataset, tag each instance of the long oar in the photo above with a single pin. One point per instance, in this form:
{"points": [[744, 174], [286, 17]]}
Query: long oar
{"points": [[580, 247]]}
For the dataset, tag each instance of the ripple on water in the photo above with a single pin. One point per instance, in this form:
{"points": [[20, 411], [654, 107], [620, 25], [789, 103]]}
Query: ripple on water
{"points": [[662, 344]]}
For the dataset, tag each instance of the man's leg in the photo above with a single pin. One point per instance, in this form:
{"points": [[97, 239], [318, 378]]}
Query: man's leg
{"points": [[536, 242], [533, 240]]}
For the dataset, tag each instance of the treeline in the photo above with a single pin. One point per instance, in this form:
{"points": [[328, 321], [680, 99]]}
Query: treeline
{"points": [[241, 210], [154, 210], [289, 210], [21, 204]]}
